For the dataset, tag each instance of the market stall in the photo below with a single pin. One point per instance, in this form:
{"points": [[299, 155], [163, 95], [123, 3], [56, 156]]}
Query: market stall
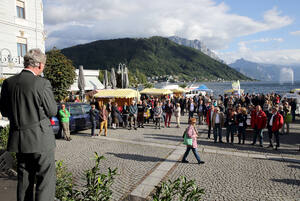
{"points": [[179, 92], [119, 96], [156, 92]]}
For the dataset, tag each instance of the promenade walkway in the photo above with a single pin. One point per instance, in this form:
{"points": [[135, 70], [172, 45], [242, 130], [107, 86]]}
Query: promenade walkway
{"points": [[148, 156]]}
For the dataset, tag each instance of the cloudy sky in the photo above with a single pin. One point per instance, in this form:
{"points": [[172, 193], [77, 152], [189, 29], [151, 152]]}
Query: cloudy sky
{"points": [[265, 31]]}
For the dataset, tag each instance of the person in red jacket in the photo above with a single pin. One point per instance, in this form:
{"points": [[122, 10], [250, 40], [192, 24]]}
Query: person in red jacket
{"points": [[258, 123], [275, 123], [209, 118]]}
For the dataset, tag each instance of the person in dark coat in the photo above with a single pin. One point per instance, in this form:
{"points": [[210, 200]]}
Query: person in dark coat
{"points": [[94, 117], [140, 114], [125, 114], [28, 102], [169, 111], [115, 114], [241, 119]]}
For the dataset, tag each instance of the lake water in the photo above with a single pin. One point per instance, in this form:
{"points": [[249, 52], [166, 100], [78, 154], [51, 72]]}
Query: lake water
{"points": [[253, 87]]}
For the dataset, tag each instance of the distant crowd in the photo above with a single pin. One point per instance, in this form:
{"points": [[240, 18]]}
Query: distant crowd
{"points": [[235, 113]]}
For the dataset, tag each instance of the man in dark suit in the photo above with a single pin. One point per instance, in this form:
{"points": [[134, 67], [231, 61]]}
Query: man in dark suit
{"points": [[28, 102]]}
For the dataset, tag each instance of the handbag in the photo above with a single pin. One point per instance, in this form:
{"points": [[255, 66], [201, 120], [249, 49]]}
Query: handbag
{"points": [[187, 140], [288, 118]]}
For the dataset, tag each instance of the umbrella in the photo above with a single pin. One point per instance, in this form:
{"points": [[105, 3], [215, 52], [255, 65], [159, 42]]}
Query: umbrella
{"points": [[126, 78], [113, 78], [81, 82], [203, 88], [105, 79]]}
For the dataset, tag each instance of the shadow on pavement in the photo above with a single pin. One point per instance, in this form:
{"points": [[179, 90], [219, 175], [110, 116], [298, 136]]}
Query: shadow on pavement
{"points": [[248, 147], [164, 137], [285, 160], [294, 166], [137, 157], [288, 181]]}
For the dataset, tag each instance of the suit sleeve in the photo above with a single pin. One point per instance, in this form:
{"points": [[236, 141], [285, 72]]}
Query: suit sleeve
{"points": [[4, 100], [48, 101]]}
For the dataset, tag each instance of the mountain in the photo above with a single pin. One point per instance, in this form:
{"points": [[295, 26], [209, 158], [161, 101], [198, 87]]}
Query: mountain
{"points": [[196, 44], [155, 56], [266, 72]]}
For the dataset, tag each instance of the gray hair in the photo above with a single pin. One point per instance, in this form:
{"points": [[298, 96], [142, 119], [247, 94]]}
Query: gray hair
{"points": [[34, 57]]}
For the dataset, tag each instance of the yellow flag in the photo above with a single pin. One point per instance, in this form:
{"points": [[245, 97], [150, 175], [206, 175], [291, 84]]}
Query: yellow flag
{"points": [[236, 85]]}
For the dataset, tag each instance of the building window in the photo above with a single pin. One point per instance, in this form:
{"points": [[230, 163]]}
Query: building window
{"points": [[22, 46], [20, 9]]}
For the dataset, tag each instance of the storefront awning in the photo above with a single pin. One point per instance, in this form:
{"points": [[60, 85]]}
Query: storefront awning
{"points": [[154, 91], [91, 83], [117, 93]]}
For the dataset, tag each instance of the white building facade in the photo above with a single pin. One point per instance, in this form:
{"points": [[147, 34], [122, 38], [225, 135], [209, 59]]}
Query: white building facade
{"points": [[21, 29]]}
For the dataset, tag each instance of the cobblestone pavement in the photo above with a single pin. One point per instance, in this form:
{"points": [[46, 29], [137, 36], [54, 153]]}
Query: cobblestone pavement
{"points": [[133, 161], [237, 178], [224, 176]]}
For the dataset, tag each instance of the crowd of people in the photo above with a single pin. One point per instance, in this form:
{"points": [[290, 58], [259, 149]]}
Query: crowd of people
{"points": [[233, 113]]}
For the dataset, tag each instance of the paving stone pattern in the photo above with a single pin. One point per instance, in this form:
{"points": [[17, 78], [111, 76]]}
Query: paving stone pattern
{"points": [[231, 172], [133, 161], [237, 178]]}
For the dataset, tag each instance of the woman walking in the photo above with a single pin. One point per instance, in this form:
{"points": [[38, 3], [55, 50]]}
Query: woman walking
{"points": [[191, 132]]}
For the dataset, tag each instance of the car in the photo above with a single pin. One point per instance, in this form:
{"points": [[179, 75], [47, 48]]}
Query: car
{"points": [[79, 119]]}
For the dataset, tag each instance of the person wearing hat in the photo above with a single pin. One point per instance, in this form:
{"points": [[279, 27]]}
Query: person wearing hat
{"points": [[275, 123], [191, 132]]}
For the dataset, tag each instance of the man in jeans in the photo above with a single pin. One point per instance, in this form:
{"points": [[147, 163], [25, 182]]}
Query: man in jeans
{"points": [[132, 115], [274, 124], [259, 123], [217, 123], [94, 113]]}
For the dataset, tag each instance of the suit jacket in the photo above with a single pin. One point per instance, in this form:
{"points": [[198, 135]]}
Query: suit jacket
{"points": [[28, 102], [221, 118]]}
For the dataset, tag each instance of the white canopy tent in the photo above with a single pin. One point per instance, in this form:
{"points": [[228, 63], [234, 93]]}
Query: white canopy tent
{"points": [[91, 83]]}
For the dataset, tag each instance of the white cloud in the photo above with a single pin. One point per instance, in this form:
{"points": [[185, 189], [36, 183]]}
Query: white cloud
{"points": [[262, 40], [68, 22], [283, 57], [296, 33]]}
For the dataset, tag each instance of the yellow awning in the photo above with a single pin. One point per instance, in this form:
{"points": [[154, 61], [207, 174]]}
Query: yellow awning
{"points": [[117, 93], [233, 90], [154, 91], [295, 90], [178, 90]]}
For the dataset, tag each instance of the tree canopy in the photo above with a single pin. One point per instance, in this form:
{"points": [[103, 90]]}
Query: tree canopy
{"points": [[59, 70]]}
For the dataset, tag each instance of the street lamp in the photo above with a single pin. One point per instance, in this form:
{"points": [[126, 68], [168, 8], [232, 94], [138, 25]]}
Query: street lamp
{"points": [[121, 71]]}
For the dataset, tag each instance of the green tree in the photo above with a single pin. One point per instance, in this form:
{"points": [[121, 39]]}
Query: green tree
{"points": [[1, 81], [133, 81], [60, 71], [148, 85], [142, 79], [183, 85], [101, 75]]}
